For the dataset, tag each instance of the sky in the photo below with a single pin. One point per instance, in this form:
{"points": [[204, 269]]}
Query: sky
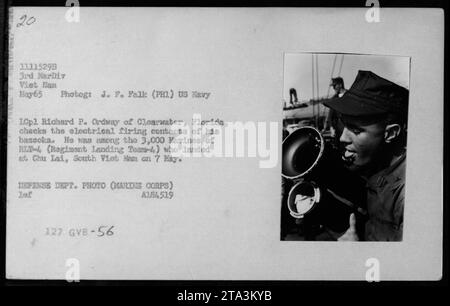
{"points": [[298, 71]]}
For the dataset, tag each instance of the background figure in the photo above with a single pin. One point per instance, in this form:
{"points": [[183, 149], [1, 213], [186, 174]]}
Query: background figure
{"points": [[338, 86], [293, 95], [332, 122]]}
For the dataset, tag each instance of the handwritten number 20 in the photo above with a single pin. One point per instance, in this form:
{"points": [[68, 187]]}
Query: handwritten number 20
{"points": [[24, 20]]}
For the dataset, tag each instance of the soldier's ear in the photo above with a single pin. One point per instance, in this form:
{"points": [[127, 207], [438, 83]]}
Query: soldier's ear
{"points": [[391, 132]]}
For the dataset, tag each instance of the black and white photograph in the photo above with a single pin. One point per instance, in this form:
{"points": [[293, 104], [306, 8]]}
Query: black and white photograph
{"points": [[344, 147], [223, 144]]}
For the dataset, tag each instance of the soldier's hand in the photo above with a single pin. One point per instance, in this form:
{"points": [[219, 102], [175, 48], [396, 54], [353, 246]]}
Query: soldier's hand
{"points": [[350, 234]]}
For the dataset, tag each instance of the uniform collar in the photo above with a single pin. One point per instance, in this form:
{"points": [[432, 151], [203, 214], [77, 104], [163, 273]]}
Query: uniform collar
{"points": [[393, 172]]}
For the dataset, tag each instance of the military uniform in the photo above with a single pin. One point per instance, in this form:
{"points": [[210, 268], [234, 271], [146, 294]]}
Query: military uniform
{"points": [[368, 97], [385, 203]]}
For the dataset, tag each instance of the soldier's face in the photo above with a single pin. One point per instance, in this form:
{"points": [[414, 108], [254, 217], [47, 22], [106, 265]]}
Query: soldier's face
{"points": [[363, 141]]}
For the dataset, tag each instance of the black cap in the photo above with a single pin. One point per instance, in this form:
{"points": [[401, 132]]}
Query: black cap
{"points": [[370, 94]]}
